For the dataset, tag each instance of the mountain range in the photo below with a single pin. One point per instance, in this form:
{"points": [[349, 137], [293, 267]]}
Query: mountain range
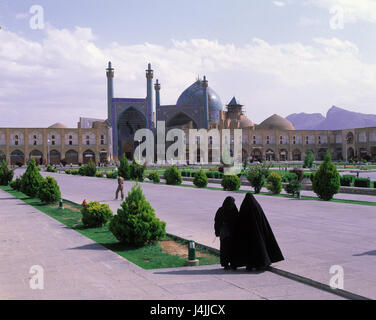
{"points": [[336, 119]]}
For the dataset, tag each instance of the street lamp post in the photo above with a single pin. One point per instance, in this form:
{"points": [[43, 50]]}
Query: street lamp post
{"points": [[48, 151]]}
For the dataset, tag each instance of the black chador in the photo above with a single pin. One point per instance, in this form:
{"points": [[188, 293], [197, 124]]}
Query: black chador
{"points": [[224, 226], [256, 246]]}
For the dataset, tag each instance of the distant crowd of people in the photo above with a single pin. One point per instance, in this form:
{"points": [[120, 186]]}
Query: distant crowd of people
{"points": [[246, 238]]}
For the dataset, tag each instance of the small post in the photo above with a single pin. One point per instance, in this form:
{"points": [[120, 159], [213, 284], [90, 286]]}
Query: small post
{"points": [[61, 204], [192, 261]]}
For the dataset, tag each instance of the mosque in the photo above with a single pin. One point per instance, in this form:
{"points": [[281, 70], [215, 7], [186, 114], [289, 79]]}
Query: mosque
{"points": [[198, 107]]}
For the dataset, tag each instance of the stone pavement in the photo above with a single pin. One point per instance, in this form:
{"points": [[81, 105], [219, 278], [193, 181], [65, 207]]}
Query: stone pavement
{"points": [[77, 268], [313, 235]]}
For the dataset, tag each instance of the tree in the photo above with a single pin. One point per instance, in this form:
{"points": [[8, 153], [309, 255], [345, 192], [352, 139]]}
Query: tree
{"points": [[49, 190], [326, 181], [200, 179], [124, 168], [31, 180], [257, 176], [308, 160], [274, 183], [6, 175]]}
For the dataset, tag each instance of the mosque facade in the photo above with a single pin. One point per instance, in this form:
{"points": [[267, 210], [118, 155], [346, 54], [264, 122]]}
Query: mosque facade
{"points": [[198, 107]]}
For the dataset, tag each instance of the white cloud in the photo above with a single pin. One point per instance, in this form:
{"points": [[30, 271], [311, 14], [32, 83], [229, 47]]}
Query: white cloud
{"points": [[353, 10], [62, 77], [279, 3]]}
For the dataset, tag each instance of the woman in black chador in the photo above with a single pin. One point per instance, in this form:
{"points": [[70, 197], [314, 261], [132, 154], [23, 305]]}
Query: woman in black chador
{"points": [[224, 226], [256, 246]]}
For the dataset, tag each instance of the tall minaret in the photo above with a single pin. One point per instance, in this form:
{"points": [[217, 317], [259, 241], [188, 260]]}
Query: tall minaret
{"points": [[204, 84], [110, 91], [149, 96], [157, 88]]}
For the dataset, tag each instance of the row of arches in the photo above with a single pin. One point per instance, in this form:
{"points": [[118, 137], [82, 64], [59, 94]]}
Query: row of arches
{"points": [[17, 157]]}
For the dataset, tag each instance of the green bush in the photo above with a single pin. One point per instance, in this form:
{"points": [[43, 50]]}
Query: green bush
{"points": [[99, 174], [136, 223], [293, 187], [154, 176], [289, 177], [50, 169], [16, 184], [49, 190], [88, 170], [68, 171], [257, 176], [362, 182], [137, 171], [31, 180], [230, 182], [112, 174], [173, 175], [6, 175], [299, 173], [326, 182], [200, 180], [96, 214], [274, 183], [309, 159], [124, 168], [347, 180]]}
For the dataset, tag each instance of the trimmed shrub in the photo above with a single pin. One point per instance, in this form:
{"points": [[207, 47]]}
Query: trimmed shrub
{"points": [[16, 184], [347, 180], [230, 182], [50, 169], [99, 174], [137, 171], [274, 183], [6, 175], [88, 170], [173, 175], [112, 174], [293, 187], [309, 159], [96, 214], [257, 177], [362, 182], [124, 169], [154, 176], [200, 180], [49, 190], [31, 180], [136, 223], [288, 177], [326, 182]]}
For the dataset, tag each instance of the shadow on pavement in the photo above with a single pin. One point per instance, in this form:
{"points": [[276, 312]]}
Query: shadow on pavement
{"points": [[367, 253], [208, 272]]}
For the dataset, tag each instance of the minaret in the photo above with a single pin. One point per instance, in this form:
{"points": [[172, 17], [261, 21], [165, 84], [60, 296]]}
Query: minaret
{"points": [[204, 84], [110, 91], [149, 96], [157, 87]]}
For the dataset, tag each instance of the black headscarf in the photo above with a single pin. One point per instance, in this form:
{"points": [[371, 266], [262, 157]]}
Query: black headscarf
{"points": [[228, 214], [256, 244]]}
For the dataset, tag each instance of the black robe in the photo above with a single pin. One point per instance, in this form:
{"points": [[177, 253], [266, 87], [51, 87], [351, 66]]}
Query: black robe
{"points": [[256, 246], [224, 227]]}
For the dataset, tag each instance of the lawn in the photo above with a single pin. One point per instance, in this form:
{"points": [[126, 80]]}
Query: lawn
{"points": [[151, 256]]}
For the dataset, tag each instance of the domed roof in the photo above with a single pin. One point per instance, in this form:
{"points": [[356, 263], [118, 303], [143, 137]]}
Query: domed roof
{"points": [[276, 122], [193, 95], [58, 125], [245, 122]]}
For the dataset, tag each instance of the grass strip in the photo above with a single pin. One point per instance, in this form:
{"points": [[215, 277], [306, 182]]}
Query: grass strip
{"points": [[150, 256]]}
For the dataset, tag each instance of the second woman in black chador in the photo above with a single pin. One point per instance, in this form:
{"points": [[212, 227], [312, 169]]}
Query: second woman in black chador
{"points": [[254, 244]]}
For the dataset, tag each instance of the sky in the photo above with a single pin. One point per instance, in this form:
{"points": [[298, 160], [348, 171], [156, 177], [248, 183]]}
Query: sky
{"points": [[283, 57]]}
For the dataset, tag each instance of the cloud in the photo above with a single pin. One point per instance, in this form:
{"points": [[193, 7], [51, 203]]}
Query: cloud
{"points": [[364, 10], [279, 3], [62, 76]]}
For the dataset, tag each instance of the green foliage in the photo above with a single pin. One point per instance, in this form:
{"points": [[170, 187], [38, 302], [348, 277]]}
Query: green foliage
{"points": [[88, 170], [16, 184], [137, 171], [347, 180], [31, 180], [124, 168], [326, 181], [309, 159], [6, 175], [362, 182], [112, 174], [274, 183], [245, 163], [299, 173], [173, 175], [154, 176], [99, 174], [49, 190], [230, 182], [136, 223], [200, 180], [289, 177], [293, 187], [50, 169], [257, 176], [96, 214]]}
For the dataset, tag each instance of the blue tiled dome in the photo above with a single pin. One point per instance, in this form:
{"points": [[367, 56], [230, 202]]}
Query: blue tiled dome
{"points": [[194, 95]]}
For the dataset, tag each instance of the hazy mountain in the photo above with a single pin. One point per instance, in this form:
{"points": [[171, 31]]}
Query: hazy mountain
{"points": [[336, 119]]}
